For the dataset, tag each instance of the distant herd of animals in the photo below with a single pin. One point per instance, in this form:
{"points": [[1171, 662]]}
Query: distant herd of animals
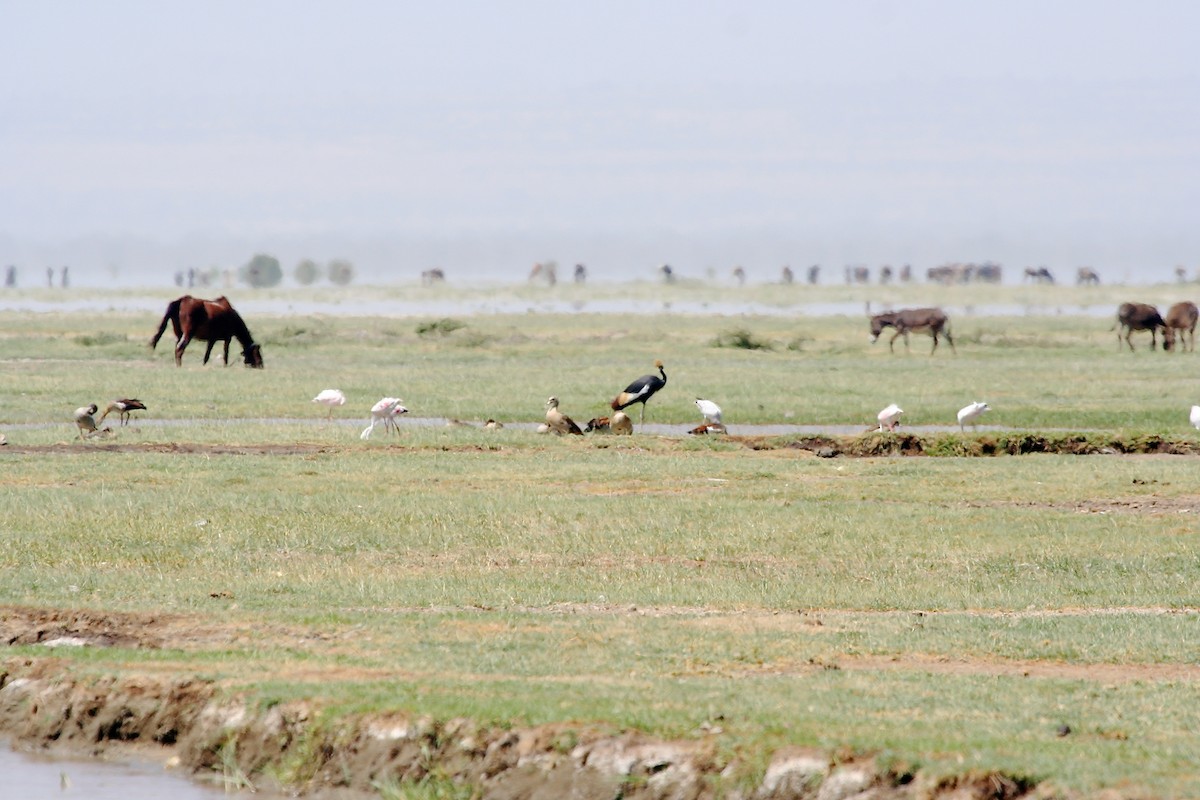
{"points": [[214, 321]]}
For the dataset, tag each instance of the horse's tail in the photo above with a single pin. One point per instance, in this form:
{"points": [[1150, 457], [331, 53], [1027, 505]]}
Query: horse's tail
{"points": [[172, 315]]}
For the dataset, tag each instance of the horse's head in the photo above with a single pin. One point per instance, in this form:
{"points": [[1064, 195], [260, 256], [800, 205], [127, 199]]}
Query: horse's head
{"points": [[253, 356], [1168, 337]]}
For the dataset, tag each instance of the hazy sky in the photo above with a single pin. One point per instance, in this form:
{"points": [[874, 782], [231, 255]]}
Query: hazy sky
{"points": [[479, 135]]}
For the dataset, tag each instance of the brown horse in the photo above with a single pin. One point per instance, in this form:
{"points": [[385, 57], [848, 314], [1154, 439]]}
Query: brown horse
{"points": [[211, 321]]}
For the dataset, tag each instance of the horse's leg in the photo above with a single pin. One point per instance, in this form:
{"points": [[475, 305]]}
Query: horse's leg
{"points": [[953, 349], [227, 352], [892, 341], [933, 349], [1128, 341], [208, 350], [180, 346]]}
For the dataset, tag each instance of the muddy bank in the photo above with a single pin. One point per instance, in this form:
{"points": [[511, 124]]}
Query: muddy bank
{"points": [[216, 733], [220, 736], [868, 445]]}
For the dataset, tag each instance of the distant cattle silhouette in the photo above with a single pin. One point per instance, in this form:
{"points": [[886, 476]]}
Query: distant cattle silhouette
{"points": [[1039, 275], [1086, 276], [431, 276]]}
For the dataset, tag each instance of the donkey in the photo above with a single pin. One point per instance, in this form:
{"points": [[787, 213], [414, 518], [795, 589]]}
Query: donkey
{"points": [[913, 320]]}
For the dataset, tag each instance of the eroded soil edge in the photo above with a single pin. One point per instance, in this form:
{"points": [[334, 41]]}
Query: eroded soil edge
{"points": [[217, 733]]}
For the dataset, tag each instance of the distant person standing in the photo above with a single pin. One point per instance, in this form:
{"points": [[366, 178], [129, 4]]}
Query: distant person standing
{"points": [[65, 281], [50, 277], [10, 277]]}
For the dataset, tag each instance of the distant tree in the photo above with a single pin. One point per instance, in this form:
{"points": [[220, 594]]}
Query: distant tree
{"points": [[308, 272], [261, 272], [341, 271]]}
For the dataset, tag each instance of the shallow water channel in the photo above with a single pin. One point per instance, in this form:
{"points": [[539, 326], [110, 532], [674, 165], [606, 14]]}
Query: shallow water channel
{"points": [[36, 777]]}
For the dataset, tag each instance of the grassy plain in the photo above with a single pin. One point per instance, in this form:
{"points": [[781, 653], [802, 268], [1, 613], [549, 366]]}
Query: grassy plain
{"points": [[946, 613]]}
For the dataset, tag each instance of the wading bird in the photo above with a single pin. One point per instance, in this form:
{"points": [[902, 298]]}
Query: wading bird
{"points": [[889, 418], [641, 390], [123, 406], [384, 413], [559, 422], [330, 398], [968, 415]]}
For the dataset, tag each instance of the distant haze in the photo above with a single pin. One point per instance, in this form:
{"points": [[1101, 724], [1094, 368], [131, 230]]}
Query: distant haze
{"points": [[139, 139]]}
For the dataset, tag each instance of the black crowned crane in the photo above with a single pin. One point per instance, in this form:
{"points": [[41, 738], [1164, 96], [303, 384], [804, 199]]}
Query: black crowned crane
{"points": [[641, 390]]}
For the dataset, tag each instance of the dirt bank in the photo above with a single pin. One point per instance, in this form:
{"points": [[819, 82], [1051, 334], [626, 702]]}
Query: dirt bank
{"points": [[868, 445], [217, 734]]}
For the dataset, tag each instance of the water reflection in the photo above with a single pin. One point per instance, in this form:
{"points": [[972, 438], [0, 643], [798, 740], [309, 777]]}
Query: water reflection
{"points": [[37, 777]]}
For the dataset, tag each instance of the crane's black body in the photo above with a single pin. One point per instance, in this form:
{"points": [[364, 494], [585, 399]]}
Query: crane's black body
{"points": [[641, 390]]}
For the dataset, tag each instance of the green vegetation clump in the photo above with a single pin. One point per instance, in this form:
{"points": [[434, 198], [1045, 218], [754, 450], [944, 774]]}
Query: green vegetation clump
{"points": [[743, 339], [441, 327], [99, 339]]}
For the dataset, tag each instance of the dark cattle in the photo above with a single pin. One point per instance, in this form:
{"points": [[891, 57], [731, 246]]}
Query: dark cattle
{"points": [[1138, 317], [989, 272], [211, 321], [1181, 317], [431, 276], [913, 320], [1039, 275], [858, 274]]}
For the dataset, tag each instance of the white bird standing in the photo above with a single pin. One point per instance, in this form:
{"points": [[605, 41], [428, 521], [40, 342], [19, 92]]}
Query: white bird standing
{"points": [[889, 418], [330, 398], [1195, 416], [384, 413], [967, 415], [710, 410], [712, 416]]}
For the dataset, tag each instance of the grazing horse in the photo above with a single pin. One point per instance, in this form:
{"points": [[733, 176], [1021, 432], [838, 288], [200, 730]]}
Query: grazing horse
{"points": [[1138, 317], [913, 320], [1181, 317], [212, 321]]}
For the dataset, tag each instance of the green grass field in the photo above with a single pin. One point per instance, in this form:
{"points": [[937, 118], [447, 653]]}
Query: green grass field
{"points": [[949, 613]]}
